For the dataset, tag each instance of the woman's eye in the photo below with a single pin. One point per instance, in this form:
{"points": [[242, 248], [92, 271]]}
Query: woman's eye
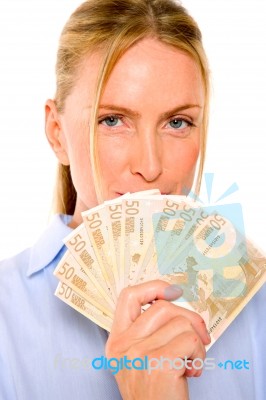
{"points": [[179, 123], [111, 120]]}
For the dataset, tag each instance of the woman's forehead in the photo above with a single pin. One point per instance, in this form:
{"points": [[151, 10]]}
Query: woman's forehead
{"points": [[149, 66]]}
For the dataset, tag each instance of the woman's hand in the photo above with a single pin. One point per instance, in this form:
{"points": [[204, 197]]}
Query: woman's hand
{"points": [[163, 330]]}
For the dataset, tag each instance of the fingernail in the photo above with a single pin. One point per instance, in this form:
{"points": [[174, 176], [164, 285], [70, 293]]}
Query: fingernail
{"points": [[172, 292], [207, 333]]}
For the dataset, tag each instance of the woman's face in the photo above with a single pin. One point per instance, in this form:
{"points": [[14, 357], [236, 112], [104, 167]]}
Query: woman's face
{"points": [[149, 125]]}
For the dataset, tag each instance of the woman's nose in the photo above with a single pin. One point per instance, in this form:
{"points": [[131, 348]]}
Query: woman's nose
{"points": [[146, 157]]}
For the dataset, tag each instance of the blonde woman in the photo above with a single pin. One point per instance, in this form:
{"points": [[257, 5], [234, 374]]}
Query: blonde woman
{"points": [[130, 113]]}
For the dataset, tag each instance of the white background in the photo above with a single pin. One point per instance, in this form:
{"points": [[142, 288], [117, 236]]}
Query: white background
{"points": [[234, 33]]}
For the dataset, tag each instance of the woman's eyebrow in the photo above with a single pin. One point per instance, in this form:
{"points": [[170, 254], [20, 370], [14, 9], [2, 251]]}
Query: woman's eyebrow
{"points": [[178, 109], [129, 111], [124, 110]]}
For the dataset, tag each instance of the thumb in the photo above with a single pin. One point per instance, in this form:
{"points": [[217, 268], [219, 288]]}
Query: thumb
{"points": [[133, 298]]}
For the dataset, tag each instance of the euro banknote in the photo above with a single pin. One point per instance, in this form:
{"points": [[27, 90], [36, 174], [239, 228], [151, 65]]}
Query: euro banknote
{"points": [[144, 236]]}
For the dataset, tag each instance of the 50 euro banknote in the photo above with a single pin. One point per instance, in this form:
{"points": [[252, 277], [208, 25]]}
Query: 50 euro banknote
{"points": [[151, 236]]}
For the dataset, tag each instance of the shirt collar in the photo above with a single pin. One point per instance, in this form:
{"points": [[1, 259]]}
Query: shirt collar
{"points": [[49, 244]]}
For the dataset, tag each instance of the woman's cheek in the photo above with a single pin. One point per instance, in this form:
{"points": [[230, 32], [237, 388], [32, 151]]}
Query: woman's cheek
{"points": [[183, 162], [192, 153], [113, 154], [184, 155]]}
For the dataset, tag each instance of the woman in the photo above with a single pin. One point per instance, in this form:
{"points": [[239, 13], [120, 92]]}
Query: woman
{"points": [[130, 113]]}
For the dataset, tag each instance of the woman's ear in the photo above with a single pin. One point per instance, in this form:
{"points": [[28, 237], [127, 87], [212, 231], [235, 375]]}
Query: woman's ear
{"points": [[54, 132]]}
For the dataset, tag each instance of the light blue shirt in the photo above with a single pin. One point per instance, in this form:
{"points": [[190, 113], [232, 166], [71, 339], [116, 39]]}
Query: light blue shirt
{"points": [[46, 347]]}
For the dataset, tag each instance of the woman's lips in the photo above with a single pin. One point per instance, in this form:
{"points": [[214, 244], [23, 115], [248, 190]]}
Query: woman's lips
{"points": [[134, 191]]}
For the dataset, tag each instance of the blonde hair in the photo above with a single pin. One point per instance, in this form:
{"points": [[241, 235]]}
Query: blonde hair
{"points": [[111, 27]]}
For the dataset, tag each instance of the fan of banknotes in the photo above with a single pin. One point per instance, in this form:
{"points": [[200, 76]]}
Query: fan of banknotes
{"points": [[145, 236]]}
